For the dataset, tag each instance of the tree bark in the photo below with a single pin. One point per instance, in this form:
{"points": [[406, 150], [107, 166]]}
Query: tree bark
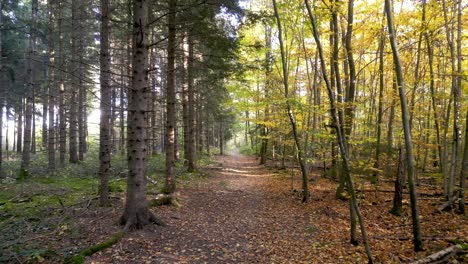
{"points": [[82, 89], [19, 140], [73, 145], [136, 213], [52, 88], [191, 106], [29, 91], [62, 118], [407, 130], [105, 106], [170, 183]]}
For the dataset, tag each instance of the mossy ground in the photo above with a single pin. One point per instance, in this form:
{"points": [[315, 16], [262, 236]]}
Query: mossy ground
{"points": [[41, 214]]}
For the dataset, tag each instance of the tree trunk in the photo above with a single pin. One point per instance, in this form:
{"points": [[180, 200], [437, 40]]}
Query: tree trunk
{"points": [[407, 131], [62, 118], [464, 171], [29, 91], [105, 106], [52, 88], [136, 213], [170, 183], [430, 52], [455, 91], [342, 141], [305, 178], [73, 146], [82, 88], [380, 107], [19, 139], [191, 157], [264, 128], [398, 194]]}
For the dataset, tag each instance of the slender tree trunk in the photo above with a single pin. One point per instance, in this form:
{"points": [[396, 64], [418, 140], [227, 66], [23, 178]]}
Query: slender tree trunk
{"points": [[122, 115], [105, 106], [264, 128], [52, 88], [380, 107], [62, 118], [29, 91], [73, 146], [191, 106], [33, 125], [305, 178], [455, 91], [19, 140], [82, 89], [136, 213], [430, 54], [464, 171], [185, 110], [170, 183], [407, 130], [342, 141]]}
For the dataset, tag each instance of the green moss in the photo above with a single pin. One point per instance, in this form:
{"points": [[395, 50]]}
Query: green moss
{"points": [[460, 242], [80, 257]]}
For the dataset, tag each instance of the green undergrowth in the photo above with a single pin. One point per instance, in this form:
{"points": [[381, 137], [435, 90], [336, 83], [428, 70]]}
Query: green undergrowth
{"points": [[42, 205]]}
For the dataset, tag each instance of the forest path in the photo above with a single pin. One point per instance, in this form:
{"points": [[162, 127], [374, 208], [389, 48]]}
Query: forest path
{"points": [[241, 213]]}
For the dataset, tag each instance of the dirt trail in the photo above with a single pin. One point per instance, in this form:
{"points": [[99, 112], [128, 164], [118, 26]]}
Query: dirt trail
{"points": [[246, 213], [237, 215]]}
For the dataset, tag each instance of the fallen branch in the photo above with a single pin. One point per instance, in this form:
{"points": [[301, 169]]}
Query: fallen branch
{"points": [[79, 258], [440, 256], [448, 204]]}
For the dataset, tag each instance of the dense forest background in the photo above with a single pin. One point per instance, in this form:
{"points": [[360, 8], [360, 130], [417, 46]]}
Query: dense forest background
{"points": [[124, 100]]}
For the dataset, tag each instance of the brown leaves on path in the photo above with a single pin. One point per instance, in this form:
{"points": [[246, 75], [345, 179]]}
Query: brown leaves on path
{"points": [[245, 213]]}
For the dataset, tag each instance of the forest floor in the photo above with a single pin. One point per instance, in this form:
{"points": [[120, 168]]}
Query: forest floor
{"points": [[232, 211], [246, 213]]}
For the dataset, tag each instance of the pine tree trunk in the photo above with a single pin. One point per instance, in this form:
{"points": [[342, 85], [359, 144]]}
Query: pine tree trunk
{"points": [[29, 91], [52, 88], [170, 183], [61, 110], [407, 131], [191, 157], [105, 107], [19, 138], [82, 89], [73, 146], [136, 213]]}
